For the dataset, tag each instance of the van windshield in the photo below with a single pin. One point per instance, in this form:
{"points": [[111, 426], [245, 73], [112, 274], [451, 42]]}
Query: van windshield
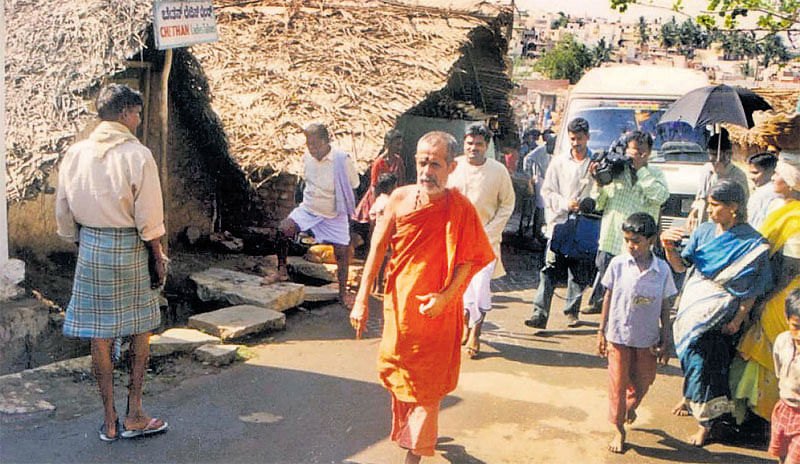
{"points": [[609, 121]]}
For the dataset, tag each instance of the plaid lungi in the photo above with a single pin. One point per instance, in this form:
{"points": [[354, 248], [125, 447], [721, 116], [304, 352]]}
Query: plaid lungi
{"points": [[111, 294]]}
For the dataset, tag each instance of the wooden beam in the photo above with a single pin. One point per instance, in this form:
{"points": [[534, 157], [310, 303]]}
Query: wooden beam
{"points": [[165, 139]]}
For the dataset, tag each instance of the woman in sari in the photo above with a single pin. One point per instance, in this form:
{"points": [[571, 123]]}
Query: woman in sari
{"points": [[388, 161], [728, 261], [757, 383]]}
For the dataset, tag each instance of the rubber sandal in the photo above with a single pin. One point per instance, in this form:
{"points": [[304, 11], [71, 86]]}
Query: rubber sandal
{"points": [[117, 428], [148, 430]]}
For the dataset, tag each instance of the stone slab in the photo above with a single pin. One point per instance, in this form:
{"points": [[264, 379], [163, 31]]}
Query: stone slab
{"points": [[238, 321], [328, 292], [218, 355], [238, 288], [324, 272], [179, 341]]}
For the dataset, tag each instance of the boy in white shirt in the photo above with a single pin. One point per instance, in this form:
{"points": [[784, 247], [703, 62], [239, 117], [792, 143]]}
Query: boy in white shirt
{"points": [[634, 325]]}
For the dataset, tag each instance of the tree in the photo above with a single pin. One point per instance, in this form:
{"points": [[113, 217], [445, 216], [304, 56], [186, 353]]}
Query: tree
{"points": [[643, 35], [774, 50], [567, 60], [669, 34], [601, 52], [774, 16], [560, 22]]}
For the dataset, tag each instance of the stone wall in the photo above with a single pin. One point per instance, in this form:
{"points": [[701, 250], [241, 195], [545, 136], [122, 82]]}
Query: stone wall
{"points": [[276, 199], [30, 335]]}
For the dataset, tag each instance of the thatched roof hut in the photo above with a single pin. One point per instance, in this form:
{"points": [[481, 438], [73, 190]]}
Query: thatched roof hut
{"points": [[279, 65], [58, 54], [53, 58], [356, 66], [780, 127]]}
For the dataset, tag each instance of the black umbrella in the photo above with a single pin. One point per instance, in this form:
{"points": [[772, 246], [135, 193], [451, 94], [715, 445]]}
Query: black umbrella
{"points": [[716, 104]]}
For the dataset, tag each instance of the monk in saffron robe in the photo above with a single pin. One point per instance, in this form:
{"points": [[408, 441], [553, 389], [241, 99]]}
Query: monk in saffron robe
{"points": [[438, 244]]}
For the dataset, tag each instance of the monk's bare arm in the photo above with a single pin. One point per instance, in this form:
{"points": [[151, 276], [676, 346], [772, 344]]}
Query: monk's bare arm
{"points": [[384, 229]]}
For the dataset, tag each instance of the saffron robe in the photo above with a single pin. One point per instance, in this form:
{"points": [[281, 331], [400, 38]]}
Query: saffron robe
{"points": [[419, 357]]}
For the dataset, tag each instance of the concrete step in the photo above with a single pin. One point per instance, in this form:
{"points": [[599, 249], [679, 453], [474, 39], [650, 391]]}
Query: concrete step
{"points": [[238, 288], [238, 321], [324, 293], [318, 271], [179, 341], [218, 355]]}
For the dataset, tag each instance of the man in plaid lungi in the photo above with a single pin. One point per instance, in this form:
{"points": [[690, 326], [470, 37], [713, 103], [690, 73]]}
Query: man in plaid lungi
{"points": [[109, 203]]}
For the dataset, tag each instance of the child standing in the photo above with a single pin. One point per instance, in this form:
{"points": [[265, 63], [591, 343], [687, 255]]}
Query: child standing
{"points": [[633, 331], [784, 442]]}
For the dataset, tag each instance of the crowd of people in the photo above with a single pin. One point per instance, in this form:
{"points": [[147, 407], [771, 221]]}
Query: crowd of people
{"points": [[438, 240]]}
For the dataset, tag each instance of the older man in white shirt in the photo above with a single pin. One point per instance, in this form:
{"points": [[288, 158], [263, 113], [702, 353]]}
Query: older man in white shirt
{"points": [[487, 185], [566, 183], [328, 203]]}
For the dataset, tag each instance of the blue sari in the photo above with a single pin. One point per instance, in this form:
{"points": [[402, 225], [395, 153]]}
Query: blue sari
{"points": [[727, 269]]}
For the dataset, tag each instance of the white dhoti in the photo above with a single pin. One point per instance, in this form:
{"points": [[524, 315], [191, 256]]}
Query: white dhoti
{"points": [[335, 230], [478, 295]]}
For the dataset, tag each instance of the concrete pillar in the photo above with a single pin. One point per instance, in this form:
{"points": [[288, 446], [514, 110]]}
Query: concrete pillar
{"points": [[12, 271]]}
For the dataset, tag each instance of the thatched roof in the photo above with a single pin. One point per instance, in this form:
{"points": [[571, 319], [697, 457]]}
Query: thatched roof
{"points": [[55, 51], [355, 66], [780, 127], [278, 66]]}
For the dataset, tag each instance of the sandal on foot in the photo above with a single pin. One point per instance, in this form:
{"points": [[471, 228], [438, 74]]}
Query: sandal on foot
{"points": [[154, 426], [104, 436]]}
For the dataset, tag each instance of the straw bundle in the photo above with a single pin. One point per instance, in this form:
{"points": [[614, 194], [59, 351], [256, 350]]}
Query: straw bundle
{"points": [[780, 127], [356, 67]]}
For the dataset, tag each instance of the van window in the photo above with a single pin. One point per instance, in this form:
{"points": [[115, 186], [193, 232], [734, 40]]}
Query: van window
{"points": [[609, 119]]}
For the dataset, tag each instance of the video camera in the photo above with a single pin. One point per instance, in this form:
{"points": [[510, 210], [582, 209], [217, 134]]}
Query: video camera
{"points": [[610, 165]]}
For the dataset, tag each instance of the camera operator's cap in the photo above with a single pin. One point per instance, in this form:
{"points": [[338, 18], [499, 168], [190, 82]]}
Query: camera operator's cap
{"points": [[788, 168]]}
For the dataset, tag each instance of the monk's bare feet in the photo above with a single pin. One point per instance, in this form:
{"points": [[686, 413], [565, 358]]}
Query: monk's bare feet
{"points": [[411, 458], [680, 409], [630, 418], [700, 437], [617, 444]]}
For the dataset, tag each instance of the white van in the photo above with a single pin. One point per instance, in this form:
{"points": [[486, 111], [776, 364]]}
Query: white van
{"points": [[630, 97]]}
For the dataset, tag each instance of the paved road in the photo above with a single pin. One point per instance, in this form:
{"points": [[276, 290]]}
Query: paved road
{"points": [[310, 395]]}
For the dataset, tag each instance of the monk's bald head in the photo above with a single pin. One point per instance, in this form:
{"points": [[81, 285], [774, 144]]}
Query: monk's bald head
{"points": [[437, 138]]}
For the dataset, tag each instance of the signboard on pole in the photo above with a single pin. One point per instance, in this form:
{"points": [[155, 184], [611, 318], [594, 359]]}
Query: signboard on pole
{"points": [[184, 23]]}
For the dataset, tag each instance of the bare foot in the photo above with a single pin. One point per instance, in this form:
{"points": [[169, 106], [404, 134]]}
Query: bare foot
{"points": [[347, 300], [680, 409], [617, 444], [699, 438], [631, 416]]}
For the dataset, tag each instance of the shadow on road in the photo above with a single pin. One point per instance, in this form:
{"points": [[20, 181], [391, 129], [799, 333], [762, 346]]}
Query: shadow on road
{"points": [[455, 453], [249, 414], [680, 451]]}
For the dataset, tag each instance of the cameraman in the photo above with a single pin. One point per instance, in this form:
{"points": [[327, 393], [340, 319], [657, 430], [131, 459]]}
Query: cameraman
{"points": [[638, 188]]}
